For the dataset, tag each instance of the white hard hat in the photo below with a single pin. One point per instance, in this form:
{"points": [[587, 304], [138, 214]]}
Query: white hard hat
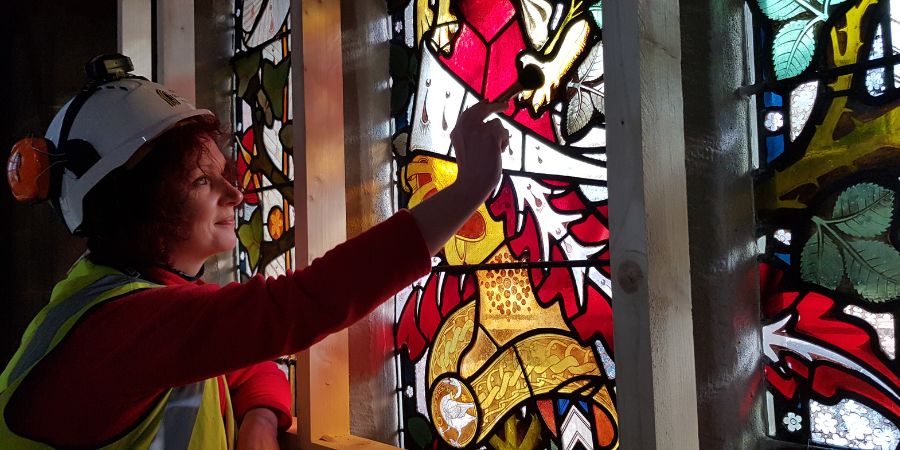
{"points": [[115, 118]]}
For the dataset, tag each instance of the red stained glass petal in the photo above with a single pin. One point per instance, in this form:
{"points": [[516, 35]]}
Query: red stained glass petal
{"points": [[567, 202], [503, 207], [604, 211], [468, 58], [558, 284], [247, 141], [597, 319], [556, 183], [408, 334], [501, 73], [814, 310], [830, 381], [450, 296], [429, 318], [797, 365], [785, 385], [606, 431], [469, 289], [474, 228], [527, 240], [541, 125], [773, 302], [546, 409], [487, 17], [590, 230]]}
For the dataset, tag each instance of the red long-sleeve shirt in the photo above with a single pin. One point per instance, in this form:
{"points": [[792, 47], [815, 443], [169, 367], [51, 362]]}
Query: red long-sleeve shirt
{"points": [[122, 356]]}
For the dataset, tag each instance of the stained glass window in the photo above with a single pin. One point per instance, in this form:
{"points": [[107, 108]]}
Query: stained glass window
{"points": [[263, 145], [508, 342], [826, 192]]}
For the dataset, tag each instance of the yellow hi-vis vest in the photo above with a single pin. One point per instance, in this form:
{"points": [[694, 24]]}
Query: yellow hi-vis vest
{"points": [[186, 417]]}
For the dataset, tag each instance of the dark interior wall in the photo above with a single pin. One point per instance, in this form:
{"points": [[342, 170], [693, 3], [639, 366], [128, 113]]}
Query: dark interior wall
{"points": [[43, 52]]}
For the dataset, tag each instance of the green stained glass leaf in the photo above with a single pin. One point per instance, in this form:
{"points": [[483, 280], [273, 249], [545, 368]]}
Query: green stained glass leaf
{"points": [[596, 11], [286, 136], [398, 63], [782, 9], [251, 235], [821, 262], [864, 210], [420, 432], [245, 66], [400, 95], [274, 82], [265, 107], [793, 48], [874, 269], [251, 93]]}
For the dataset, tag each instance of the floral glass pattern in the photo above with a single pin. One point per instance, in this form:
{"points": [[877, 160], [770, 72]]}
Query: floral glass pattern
{"points": [[826, 192], [508, 342], [262, 130]]}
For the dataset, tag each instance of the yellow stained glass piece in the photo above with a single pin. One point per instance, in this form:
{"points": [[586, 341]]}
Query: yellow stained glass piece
{"points": [[552, 359], [507, 305], [845, 141], [499, 388], [482, 350], [479, 236], [450, 341]]}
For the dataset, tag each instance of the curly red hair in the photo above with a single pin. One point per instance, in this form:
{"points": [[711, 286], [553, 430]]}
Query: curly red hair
{"points": [[135, 212]]}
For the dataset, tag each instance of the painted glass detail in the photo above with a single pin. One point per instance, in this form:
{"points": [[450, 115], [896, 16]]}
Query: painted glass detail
{"points": [[508, 342], [262, 131], [827, 208]]}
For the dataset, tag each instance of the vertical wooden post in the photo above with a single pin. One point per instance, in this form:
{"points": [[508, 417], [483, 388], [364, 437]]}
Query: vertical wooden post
{"points": [[654, 348], [175, 45], [322, 375], [135, 34]]}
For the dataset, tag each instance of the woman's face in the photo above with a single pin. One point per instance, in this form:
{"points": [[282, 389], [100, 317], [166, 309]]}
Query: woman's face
{"points": [[208, 210]]}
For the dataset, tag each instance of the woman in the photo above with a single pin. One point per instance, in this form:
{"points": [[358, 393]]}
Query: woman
{"points": [[134, 351]]}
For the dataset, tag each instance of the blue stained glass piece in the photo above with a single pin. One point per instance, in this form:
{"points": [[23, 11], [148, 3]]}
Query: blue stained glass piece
{"points": [[583, 406], [784, 257], [774, 147], [561, 405], [771, 99]]}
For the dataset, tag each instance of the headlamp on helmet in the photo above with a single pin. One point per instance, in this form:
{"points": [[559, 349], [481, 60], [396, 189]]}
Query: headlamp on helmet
{"points": [[96, 132]]}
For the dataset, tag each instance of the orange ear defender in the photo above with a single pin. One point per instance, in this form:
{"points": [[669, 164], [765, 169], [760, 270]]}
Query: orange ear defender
{"points": [[28, 169]]}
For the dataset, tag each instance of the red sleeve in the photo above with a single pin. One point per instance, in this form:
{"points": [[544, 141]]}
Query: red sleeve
{"points": [[260, 385], [123, 355]]}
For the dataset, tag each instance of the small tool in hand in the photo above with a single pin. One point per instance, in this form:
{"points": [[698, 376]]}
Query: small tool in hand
{"points": [[530, 77]]}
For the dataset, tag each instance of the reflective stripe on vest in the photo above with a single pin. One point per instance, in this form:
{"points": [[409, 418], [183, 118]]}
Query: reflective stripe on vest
{"points": [[179, 417], [57, 316]]}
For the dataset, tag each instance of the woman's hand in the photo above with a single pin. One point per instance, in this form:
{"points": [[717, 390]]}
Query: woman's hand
{"points": [[478, 145], [258, 430]]}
